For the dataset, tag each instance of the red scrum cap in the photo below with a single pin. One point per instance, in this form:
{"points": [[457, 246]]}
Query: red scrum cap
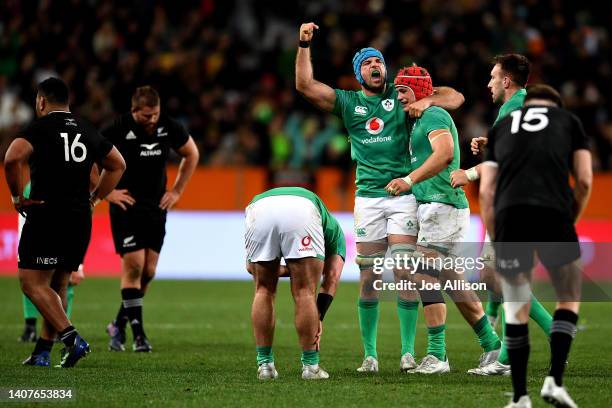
{"points": [[415, 78]]}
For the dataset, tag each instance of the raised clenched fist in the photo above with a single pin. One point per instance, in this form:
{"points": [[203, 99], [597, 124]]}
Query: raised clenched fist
{"points": [[307, 31]]}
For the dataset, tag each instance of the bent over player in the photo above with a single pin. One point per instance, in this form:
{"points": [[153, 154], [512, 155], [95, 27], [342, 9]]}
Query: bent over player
{"points": [[292, 223]]}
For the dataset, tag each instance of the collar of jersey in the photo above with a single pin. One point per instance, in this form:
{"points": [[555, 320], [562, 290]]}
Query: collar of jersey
{"points": [[58, 112]]}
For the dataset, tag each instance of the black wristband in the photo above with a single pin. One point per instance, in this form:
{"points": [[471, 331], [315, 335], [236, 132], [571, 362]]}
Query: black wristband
{"points": [[323, 302], [304, 44]]}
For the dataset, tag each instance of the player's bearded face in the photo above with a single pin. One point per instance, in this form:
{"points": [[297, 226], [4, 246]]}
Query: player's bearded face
{"points": [[374, 74], [147, 117]]}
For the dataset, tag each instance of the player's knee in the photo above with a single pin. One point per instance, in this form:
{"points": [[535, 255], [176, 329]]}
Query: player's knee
{"points": [[133, 267], [373, 260], [304, 295], [148, 273], [431, 297], [516, 302], [26, 287]]}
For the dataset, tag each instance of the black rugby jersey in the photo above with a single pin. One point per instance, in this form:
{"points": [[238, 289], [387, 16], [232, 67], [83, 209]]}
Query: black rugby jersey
{"points": [[533, 148], [65, 147], [145, 155]]}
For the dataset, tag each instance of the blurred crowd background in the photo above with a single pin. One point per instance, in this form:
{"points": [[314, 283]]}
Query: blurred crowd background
{"points": [[225, 68]]}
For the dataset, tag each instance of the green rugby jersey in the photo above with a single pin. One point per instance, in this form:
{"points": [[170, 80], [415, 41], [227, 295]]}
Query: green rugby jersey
{"points": [[436, 189], [379, 138], [332, 233], [515, 102]]}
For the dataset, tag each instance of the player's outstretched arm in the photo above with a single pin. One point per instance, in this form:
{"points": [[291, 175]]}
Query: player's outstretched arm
{"points": [[583, 176], [317, 93], [442, 146], [443, 96], [488, 180], [189, 162], [113, 166]]}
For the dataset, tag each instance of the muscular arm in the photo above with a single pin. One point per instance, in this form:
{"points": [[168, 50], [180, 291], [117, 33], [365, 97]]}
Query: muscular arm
{"points": [[443, 96], [442, 155], [113, 167], [190, 154], [317, 93], [442, 146], [17, 154], [447, 98], [331, 274], [488, 182], [583, 176]]}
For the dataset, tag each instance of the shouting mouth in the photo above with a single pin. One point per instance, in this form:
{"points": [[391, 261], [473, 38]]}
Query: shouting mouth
{"points": [[376, 74]]}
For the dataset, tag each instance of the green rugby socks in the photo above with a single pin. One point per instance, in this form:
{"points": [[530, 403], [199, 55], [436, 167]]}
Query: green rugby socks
{"points": [[264, 354], [408, 313], [436, 342], [487, 337], [368, 325]]}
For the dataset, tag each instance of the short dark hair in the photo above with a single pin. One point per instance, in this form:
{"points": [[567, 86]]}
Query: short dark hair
{"points": [[517, 66], [145, 96], [543, 91], [54, 90]]}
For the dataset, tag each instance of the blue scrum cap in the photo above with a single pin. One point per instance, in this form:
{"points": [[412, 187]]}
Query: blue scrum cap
{"points": [[362, 55]]}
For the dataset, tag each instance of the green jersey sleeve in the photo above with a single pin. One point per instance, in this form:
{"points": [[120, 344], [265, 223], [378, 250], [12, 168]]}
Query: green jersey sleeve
{"points": [[335, 244], [342, 99], [435, 118]]}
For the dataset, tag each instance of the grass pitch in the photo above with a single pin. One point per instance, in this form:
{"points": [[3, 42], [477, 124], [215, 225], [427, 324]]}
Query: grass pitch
{"points": [[204, 354]]}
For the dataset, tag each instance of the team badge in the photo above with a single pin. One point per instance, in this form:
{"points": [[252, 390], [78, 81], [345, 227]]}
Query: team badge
{"points": [[374, 125], [388, 104]]}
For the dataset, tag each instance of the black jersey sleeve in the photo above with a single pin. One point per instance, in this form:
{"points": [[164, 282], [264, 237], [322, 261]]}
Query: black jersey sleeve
{"points": [[111, 131], [177, 133], [31, 132], [579, 136], [101, 145], [489, 154]]}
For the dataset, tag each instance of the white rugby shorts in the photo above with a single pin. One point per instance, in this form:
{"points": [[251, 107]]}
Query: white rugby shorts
{"points": [[377, 217], [442, 225], [283, 226]]}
